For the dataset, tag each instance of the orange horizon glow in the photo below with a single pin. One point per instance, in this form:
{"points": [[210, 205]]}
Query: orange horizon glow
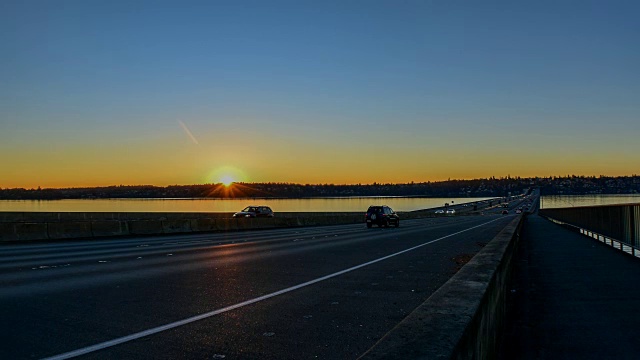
{"points": [[237, 186], [178, 161]]}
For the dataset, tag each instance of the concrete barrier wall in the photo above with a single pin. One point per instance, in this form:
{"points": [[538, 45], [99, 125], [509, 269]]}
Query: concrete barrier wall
{"points": [[69, 230], [145, 227], [53, 226], [176, 226], [38, 217], [44, 217], [462, 319], [8, 231], [47, 217], [202, 225], [100, 228], [17, 226], [31, 231]]}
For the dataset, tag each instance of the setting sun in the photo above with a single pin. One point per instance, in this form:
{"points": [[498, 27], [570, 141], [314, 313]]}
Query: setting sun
{"points": [[227, 180], [227, 175]]}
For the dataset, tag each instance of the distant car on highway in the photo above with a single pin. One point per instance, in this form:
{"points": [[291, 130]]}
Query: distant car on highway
{"points": [[451, 212], [382, 216], [518, 211], [505, 212], [254, 211], [439, 211]]}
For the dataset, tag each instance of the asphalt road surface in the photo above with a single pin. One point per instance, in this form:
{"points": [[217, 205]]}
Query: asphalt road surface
{"points": [[302, 293]]}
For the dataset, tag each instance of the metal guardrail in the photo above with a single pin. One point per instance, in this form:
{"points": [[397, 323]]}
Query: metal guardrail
{"points": [[615, 225]]}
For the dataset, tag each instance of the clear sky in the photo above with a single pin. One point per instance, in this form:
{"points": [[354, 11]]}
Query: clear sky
{"points": [[97, 93]]}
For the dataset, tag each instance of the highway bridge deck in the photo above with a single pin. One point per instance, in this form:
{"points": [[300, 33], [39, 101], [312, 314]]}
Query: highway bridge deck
{"points": [[67, 296]]}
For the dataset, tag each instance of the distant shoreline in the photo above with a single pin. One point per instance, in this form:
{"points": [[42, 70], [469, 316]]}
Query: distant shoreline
{"points": [[504, 187], [258, 198]]}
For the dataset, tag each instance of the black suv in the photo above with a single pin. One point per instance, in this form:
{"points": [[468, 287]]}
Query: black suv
{"points": [[382, 216], [254, 211]]}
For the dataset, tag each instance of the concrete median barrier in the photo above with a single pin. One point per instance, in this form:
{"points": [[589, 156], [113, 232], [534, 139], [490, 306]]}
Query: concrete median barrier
{"points": [[17, 226], [8, 232], [282, 222], [203, 225], [145, 227], [176, 226], [246, 223], [230, 224], [255, 223], [12, 217], [101, 228], [31, 231], [69, 230], [264, 223]]}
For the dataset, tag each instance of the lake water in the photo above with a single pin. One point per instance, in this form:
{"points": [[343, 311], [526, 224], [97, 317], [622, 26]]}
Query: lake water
{"points": [[228, 205], [285, 205], [561, 201]]}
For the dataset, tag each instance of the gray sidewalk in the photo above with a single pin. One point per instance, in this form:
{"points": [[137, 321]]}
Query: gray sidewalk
{"points": [[573, 298]]}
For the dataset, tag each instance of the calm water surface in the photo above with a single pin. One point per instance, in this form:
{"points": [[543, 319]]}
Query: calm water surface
{"points": [[286, 205], [226, 205], [561, 201]]}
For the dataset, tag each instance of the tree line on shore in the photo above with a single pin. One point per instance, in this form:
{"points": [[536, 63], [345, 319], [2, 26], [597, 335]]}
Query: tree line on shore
{"points": [[490, 187]]}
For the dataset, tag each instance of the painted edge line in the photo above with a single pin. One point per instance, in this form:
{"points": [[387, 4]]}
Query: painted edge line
{"points": [[141, 334]]}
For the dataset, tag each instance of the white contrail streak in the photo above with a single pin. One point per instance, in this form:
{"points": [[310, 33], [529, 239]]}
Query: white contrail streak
{"points": [[188, 132]]}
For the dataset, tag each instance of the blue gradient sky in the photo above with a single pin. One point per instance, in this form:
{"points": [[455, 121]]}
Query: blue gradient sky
{"points": [[97, 92]]}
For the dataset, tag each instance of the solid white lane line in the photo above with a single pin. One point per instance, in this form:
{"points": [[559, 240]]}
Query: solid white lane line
{"points": [[158, 329]]}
